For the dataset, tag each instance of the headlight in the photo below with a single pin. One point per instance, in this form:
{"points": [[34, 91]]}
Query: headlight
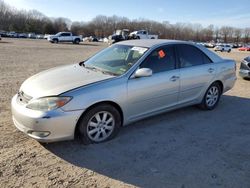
{"points": [[48, 103]]}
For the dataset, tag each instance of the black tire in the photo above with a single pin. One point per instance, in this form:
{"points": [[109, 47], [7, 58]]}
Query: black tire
{"points": [[137, 37], [55, 41], [76, 41], [229, 51], [84, 123], [204, 104]]}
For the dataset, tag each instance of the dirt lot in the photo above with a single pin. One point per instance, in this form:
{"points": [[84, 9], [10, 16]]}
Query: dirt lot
{"points": [[186, 148]]}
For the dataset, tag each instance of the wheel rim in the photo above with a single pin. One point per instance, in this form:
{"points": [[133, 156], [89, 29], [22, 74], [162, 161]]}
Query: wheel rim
{"points": [[100, 126], [212, 96]]}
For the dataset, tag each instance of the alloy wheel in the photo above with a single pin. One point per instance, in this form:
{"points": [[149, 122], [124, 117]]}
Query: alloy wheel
{"points": [[100, 126], [212, 96]]}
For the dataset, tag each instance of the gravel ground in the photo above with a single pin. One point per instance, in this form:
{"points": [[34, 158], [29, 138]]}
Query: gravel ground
{"points": [[184, 148]]}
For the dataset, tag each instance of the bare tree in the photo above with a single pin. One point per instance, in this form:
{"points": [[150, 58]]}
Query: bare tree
{"points": [[237, 35], [247, 35], [227, 33], [103, 26]]}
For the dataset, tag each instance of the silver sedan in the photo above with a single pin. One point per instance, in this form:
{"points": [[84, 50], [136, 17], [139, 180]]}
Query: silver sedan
{"points": [[123, 83]]}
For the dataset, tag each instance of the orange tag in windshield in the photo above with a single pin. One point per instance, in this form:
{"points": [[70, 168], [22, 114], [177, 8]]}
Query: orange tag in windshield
{"points": [[161, 54]]}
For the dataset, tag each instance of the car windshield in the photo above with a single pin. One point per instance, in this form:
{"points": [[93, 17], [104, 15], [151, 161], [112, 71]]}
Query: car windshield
{"points": [[115, 60]]}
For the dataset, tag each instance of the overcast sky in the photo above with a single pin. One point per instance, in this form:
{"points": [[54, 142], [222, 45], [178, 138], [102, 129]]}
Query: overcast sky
{"points": [[219, 13]]}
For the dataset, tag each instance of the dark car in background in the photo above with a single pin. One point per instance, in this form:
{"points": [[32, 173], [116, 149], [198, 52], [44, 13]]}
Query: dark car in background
{"points": [[118, 36]]}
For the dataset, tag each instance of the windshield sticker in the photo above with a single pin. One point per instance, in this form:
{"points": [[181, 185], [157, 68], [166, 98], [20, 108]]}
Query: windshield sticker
{"points": [[161, 54], [139, 49]]}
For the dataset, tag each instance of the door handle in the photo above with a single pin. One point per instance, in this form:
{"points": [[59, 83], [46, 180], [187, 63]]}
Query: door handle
{"points": [[210, 70], [174, 78]]}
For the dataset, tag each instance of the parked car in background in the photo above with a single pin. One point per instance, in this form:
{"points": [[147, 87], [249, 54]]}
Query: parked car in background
{"points": [[118, 36], [142, 34], [31, 35], [244, 71], [93, 39], [64, 37], [39, 36], [237, 45], [22, 35], [223, 48], [3, 33], [209, 45], [105, 39], [244, 48], [123, 83], [12, 34], [46, 36]]}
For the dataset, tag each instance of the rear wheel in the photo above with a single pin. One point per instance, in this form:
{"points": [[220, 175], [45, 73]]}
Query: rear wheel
{"points": [[99, 124], [211, 97], [76, 41]]}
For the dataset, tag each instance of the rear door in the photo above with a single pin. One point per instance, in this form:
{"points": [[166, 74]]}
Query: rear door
{"points": [[151, 94], [196, 72], [65, 37]]}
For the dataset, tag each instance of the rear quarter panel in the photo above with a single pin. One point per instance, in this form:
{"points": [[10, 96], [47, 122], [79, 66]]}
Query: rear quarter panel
{"points": [[226, 73]]}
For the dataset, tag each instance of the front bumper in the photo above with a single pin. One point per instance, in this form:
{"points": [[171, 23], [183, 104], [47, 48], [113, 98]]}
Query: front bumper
{"points": [[244, 73], [56, 125]]}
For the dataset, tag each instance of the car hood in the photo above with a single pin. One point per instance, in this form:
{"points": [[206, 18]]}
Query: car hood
{"points": [[59, 80]]}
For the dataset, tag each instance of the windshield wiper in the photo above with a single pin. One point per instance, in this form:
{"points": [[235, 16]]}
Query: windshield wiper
{"points": [[109, 73], [100, 70], [91, 68]]}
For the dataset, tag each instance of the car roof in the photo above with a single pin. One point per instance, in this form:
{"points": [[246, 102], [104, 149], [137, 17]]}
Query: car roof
{"points": [[151, 42]]}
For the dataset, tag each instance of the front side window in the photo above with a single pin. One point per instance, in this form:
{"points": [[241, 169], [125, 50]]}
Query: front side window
{"points": [[160, 60], [116, 59], [191, 56]]}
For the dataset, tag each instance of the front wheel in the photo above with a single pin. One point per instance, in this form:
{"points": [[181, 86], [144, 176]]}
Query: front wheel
{"points": [[211, 97], [99, 124], [55, 41]]}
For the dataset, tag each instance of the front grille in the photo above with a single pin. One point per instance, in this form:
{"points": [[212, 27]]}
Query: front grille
{"points": [[23, 98]]}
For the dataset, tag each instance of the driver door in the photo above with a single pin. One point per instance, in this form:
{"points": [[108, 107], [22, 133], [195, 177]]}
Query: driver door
{"points": [[148, 95]]}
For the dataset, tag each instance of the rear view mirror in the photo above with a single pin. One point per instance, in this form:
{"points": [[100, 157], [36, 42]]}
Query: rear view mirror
{"points": [[143, 72]]}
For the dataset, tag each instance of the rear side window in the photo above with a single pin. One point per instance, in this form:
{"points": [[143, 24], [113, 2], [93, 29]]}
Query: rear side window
{"points": [[65, 34], [206, 60], [160, 60], [191, 56]]}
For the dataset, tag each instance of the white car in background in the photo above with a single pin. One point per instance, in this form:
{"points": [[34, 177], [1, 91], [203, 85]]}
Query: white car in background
{"points": [[142, 34], [223, 48], [65, 37]]}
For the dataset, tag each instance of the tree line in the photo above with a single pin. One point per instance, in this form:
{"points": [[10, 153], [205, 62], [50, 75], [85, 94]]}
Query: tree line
{"points": [[12, 19]]}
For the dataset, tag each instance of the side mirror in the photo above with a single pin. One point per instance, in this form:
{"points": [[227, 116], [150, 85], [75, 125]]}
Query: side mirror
{"points": [[143, 72]]}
